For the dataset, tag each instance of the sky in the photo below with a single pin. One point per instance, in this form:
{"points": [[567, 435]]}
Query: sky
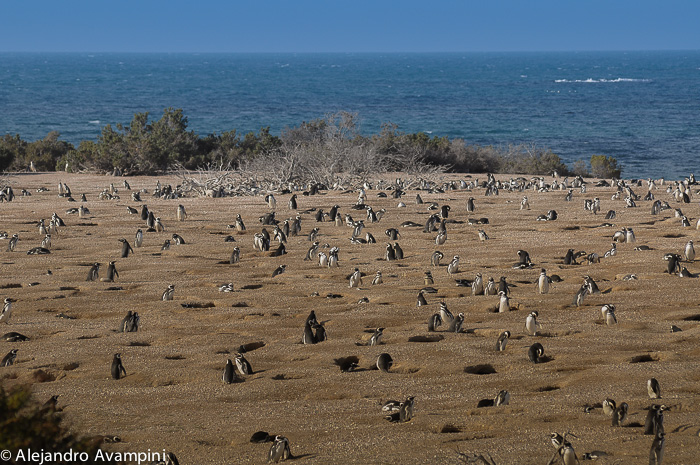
{"points": [[303, 26]]}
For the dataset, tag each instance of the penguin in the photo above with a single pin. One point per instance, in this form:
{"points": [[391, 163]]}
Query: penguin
{"points": [[240, 226], [609, 315], [504, 303], [478, 285], [544, 281], [376, 338], [502, 398], [333, 257], [309, 337], [441, 238], [490, 287], [12, 243], [390, 254], [356, 278], [138, 239], [13, 336], [279, 270], [482, 235], [470, 205], [271, 201], [453, 267], [457, 322], [178, 239], [620, 414], [524, 260], [421, 299], [609, 407], [629, 237], [653, 389], [690, 251], [434, 321], [235, 256], [111, 272], [398, 251], [384, 362], [436, 257], [93, 274], [118, 370], [567, 454], [125, 321], [654, 421], [377, 278], [159, 227], [524, 204], [168, 293], [580, 295], [392, 233], [166, 245], [535, 352], [444, 211], [229, 375], [531, 323], [445, 314], [502, 341], [243, 365], [279, 450], [428, 278], [591, 285], [46, 243], [320, 335], [151, 221], [656, 453], [673, 265], [132, 324], [181, 213], [9, 359], [570, 258], [293, 202], [126, 248], [6, 311]]}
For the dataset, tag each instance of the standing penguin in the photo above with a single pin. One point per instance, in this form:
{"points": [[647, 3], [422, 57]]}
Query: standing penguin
{"points": [[93, 274], [478, 285], [169, 292], [690, 251], [502, 341], [243, 365], [531, 323], [235, 256], [118, 370], [9, 359], [543, 282], [293, 202], [138, 239], [111, 272], [229, 375], [356, 278], [13, 243], [434, 322], [308, 337], [398, 251], [377, 278], [453, 267], [504, 303], [126, 248], [656, 453], [279, 450], [470, 205], [144, 213], [6, 311], [240, 226], [457, 322], [159, 227], [390, 254], [376, 337], [653, 389], [181, 213]]}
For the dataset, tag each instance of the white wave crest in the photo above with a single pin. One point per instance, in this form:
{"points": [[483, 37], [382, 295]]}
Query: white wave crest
{"points": [[96, 121], [591, 80]]}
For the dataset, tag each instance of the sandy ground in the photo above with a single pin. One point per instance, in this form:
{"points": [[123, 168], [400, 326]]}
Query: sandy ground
{"points": [[173, 397]]}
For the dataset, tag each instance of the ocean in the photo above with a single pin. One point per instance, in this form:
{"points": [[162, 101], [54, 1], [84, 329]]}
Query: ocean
{"points": [[642, 108]]}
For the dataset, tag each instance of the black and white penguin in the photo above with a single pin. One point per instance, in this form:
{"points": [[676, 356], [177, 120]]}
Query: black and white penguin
{"points": [[502, 341], [384, 362], [535, 352], [93, 274], [9, 359], [118, 370], [229, 375], [243, 365]]}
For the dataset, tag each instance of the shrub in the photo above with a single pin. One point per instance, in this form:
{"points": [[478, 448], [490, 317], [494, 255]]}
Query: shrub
{"points": [[24, 425], [605, 167]]}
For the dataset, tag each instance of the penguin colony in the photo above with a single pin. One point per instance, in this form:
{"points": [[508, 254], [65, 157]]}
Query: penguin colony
{"points": [[551, 342]]}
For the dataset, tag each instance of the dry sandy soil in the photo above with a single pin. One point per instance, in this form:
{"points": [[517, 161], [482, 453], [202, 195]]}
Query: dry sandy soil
{"points": [[173, 397]]}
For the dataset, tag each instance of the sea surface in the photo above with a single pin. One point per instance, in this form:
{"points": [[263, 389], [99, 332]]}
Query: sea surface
{"points": [[642, 108]]}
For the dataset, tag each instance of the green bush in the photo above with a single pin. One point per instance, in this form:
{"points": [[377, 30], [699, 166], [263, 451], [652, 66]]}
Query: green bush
{"points": [[24, 425], [605, 167]]}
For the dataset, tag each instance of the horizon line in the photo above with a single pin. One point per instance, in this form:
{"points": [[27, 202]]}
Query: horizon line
{"points": [[355, 52]]}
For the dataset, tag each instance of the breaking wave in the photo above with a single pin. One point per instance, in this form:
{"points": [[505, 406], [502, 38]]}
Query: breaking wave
{"points": [[591, 80]]}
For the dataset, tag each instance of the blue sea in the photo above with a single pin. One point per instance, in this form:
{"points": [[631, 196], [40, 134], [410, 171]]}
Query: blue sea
{"points": [[642, 108]]}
